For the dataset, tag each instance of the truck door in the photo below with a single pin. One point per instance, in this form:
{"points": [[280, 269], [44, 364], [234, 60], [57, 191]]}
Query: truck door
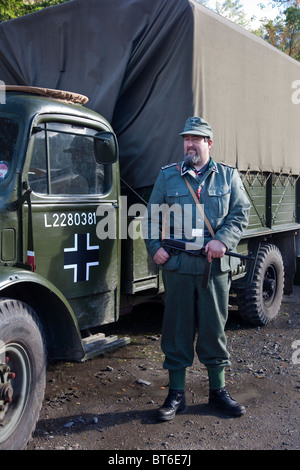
{"points": [[68, 187]]}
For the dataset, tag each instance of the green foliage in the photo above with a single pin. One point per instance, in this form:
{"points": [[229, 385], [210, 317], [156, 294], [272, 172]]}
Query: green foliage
{"points": [[284, 31], [233, 10], [10, 9]]}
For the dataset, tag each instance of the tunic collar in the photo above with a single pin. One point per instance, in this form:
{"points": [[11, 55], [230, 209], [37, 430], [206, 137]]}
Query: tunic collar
{"points": [[209, 166]]}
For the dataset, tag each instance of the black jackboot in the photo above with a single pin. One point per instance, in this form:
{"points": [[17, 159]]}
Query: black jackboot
{"points": [[174, 402], [221, 399]]}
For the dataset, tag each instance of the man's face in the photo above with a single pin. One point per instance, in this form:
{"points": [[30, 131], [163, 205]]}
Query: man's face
{"points": [[196, 148]]}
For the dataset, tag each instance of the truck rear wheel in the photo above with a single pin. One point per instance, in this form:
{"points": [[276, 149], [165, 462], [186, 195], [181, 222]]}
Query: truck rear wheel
{"points": [[22, 373], [260, 303]]}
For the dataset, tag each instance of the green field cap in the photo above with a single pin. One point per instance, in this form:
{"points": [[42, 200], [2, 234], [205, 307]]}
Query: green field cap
{"points": [[197, 126]]}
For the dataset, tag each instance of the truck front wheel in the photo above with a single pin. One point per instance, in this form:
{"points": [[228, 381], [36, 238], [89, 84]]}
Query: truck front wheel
{"points": [[22, 373], [260, 302]]}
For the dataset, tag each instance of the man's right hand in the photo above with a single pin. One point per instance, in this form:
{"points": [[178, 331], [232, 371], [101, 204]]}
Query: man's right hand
{"points": [[161, 256]]}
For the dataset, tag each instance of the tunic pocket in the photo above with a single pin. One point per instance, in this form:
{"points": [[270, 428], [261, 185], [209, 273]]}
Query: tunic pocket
{"points": [[219, 199], [177, 195], [178, 203]]}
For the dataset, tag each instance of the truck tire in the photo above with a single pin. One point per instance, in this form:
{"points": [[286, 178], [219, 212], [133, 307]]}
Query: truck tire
{"points": [[22, 373], [260, 302]]}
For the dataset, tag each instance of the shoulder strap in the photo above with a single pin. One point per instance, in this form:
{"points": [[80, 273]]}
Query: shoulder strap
{"points": [[200, 207], [207, 222]]}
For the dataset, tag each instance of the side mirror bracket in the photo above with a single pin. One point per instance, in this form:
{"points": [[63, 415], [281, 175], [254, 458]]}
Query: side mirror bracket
{"points": [[106, 147]]}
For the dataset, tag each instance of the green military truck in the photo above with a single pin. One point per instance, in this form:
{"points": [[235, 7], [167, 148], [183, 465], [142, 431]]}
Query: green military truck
{"points": [[71, 192], [58, 281]]}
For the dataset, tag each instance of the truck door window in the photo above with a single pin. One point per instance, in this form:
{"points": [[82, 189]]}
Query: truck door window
{"points": [[8, 137], [64, 163]]}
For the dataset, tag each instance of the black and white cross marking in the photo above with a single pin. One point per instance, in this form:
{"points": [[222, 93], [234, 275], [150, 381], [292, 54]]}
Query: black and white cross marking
{"points": [[81, 257]]}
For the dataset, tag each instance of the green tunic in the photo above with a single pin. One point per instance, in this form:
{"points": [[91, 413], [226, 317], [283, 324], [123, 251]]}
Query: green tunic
{"points": [[189, 307]]}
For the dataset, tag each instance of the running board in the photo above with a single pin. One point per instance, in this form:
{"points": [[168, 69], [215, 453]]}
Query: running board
{"points": [[98, 344]]}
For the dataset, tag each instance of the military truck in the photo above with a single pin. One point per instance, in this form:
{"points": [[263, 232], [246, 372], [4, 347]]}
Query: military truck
{"points": [[71, 181], [59, 179]]}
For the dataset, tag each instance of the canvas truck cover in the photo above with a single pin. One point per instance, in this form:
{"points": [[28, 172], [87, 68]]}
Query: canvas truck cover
{"points": [[148, 65]]}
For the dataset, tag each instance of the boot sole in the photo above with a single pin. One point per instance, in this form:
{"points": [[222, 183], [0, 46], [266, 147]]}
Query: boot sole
{"points": [[170, 417], [228, 412]]}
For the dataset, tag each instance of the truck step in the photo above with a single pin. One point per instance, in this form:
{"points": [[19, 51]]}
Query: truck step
{"points": [[98, 344]]}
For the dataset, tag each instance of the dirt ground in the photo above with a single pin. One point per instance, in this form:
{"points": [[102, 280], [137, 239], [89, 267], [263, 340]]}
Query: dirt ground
{"points": [[110, 402]]}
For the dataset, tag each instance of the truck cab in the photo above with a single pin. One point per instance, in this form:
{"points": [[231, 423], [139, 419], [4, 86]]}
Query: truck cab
{"points": [[59, 178]]}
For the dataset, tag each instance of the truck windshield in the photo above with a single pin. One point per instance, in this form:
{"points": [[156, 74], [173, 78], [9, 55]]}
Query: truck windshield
{"points": [[8, 137], [63, 161]]}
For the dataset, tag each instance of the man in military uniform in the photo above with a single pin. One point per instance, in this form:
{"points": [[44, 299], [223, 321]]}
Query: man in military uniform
{"points": [[189, 306]]}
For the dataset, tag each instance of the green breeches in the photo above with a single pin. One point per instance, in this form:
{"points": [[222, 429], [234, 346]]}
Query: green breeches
{"points": [[194, 320]]}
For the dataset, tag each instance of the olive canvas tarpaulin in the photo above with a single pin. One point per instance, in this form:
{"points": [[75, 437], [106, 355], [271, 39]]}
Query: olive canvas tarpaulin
{"points": [[243, 87], [128, 56], [147, 65]]}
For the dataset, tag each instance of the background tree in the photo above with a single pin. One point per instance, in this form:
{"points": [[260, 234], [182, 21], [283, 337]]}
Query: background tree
{"points": [[10, 9], [284, 31], [233, 10]]}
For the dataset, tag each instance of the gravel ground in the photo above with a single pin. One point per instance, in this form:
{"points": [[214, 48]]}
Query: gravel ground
{"points": [[109, 403]]}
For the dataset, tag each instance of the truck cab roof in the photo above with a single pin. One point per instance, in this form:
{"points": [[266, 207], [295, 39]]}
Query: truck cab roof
{"points": [[27, 102]]}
